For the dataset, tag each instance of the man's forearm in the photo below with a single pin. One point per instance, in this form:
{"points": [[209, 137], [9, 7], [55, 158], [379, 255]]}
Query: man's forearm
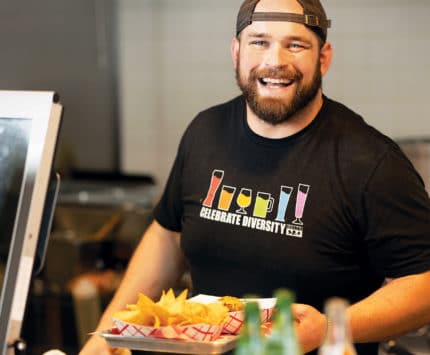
{"points": [[156, 264], [396, 308]]}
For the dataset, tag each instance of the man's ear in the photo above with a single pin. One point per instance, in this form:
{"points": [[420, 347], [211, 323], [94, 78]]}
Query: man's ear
{"points": [[234, 49], [326, 55]]}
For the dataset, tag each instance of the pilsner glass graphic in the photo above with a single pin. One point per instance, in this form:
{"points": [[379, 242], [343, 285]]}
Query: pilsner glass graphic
{"points": [[284, 197], [243, 200], [302, 194], [217, 176], [227, 193], [263, 204]]}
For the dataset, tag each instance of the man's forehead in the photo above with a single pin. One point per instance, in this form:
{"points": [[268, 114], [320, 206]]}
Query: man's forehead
{"points": [[281, 30], [279, 6]]}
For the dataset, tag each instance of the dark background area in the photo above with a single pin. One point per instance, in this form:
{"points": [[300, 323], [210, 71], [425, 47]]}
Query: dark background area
{"points": [[68, 47]]}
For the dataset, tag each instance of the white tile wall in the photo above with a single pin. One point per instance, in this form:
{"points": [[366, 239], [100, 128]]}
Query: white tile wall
{"points": [[174, 60]]}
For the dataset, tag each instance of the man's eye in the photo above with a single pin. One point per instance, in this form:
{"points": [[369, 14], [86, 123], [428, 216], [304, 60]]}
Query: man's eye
{"points": [[259, 43], [295, 46]]}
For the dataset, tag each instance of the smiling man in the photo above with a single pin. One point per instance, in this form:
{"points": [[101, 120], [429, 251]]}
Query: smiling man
{"points": [[284, 187]]}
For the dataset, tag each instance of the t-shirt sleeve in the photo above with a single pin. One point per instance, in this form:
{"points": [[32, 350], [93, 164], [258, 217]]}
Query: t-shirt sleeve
{"points": [[398, 217], [168, 211]]}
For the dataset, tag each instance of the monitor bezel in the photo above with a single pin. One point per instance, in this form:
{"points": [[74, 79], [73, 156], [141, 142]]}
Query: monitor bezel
{"points": [[45, 115]]}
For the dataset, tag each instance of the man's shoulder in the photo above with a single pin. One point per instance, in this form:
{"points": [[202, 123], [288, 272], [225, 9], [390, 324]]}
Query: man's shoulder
{"points": [[213, 121], [343, 115], [354, 130], [359, 146], [216, 116], [223, 109]]}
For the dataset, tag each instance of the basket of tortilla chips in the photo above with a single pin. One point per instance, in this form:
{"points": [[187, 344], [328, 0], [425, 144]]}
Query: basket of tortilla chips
{"points": [[171, 318], [201, 318]]}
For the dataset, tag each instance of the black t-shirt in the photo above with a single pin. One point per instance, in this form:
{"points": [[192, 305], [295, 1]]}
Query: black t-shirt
{"points": [[329, 211]]}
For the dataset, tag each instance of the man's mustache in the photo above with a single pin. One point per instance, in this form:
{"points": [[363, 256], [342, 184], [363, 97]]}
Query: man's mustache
{"points": [[276, 73]]}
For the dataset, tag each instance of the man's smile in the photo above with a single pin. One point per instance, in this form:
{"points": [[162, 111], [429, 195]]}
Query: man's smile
{"points": [[275, 82]]}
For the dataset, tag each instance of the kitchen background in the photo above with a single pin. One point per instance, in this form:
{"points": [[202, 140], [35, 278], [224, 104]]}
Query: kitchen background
{"points": [[131, 75]]}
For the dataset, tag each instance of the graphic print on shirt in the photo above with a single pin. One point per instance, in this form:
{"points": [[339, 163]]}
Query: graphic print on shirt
{"points": [[244, 200], [216, 178], [227, 193], [284, 198], [302, 194], [263, 204], [234, 207]]}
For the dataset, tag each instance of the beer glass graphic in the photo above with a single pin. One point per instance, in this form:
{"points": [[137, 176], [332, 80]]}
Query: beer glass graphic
{"points": [[302, 194], [243, 200], [216, 178], [263, 204], [284, 197], [226, 197]]}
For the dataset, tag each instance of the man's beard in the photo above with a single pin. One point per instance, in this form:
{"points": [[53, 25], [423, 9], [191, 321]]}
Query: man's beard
{"points": [[273, 110]]}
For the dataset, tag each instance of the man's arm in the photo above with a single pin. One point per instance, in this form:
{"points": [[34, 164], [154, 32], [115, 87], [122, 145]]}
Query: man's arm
{"points": [[400, 306], [156, 264]]}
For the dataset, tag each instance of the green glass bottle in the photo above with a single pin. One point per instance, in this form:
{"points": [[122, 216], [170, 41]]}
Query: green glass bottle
{"points": [[250, 341], [338, 338], [283, 339]]}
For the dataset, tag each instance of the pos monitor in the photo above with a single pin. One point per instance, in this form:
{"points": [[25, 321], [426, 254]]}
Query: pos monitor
{"points": [[29, 125]]}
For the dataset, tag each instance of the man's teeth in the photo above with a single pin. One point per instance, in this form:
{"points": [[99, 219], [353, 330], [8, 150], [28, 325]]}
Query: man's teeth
{"points": [[276, 81]]}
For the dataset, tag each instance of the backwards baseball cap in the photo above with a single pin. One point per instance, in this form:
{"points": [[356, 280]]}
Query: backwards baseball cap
{"points": [[313, 16]]}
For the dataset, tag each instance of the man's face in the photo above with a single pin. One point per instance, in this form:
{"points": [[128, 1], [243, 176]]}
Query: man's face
{"points": [[278, 68]]}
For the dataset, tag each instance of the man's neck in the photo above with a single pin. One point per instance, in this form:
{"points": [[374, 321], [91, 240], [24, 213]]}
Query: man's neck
{"points": [[294, 124]]}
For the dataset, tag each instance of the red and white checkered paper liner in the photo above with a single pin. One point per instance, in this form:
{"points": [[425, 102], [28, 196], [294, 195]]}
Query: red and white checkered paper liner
{"points": [[236, 319], [196, 332]]}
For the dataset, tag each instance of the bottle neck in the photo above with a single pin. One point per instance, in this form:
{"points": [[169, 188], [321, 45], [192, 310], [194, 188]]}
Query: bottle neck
{"points": [[284, 319], [338, 338], [338, 331]]}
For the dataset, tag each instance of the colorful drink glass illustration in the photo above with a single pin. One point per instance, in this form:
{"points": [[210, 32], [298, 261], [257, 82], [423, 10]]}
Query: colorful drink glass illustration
{"points": [[302, 194], [284, 197], [226, 197], [217, 176], [263, 204], [243, 200]]}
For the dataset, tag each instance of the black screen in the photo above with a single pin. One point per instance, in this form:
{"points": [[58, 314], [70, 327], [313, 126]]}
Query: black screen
{"points": [[14, 139]]}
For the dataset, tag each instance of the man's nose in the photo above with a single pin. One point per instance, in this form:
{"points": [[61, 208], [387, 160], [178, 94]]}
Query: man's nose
{"points": [[276, 56]]}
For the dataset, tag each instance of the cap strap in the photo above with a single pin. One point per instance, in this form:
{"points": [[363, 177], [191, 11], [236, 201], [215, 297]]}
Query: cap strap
{"points": [[309, 20]]}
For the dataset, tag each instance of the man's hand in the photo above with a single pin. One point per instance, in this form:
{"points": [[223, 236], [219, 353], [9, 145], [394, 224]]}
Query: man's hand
{"points": [[311, 326]]}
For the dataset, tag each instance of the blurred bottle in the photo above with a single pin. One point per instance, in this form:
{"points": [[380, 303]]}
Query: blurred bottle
{"points": [[283, 339], [338, 338], [251, 341]]}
